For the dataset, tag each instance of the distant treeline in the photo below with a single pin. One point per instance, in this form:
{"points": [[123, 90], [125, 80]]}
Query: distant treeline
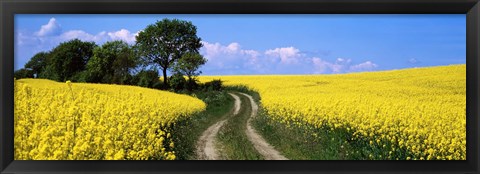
{"points": [[167, 45]]}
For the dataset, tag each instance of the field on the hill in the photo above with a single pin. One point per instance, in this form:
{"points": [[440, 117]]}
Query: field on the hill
{"points": [[92, 121], [420, 110]]}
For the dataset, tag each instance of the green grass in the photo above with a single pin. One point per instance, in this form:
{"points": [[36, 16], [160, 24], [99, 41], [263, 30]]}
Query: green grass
{"points": [[187, 132], [309, 143], [299, 143], [232, 139]]}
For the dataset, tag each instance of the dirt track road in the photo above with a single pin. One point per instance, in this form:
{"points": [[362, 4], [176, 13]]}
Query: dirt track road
{"points": [[206, 149], [206, 145], [262, 146]]}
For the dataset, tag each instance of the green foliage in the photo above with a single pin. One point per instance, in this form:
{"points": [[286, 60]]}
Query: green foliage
{"points": [[215, 85], [177, 82], [111, 63], [49, 72], [23, 73], [68, 59], [188, 64], [146, 78], [164, 42], [38, 63]]}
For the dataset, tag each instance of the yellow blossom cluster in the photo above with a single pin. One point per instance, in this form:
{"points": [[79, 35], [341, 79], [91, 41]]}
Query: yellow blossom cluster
{"points": [[422, 110], [80, 121]]}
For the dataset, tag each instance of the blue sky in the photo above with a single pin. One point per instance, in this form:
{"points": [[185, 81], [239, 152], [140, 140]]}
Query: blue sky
{"points": [[273, 44]]}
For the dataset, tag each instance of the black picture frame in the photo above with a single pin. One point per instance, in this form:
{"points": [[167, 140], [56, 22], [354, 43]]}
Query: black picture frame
{"points": [[8, 8]]}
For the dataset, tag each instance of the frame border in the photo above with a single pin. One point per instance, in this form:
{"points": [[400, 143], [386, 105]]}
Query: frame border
{"points": [[8, 9]]}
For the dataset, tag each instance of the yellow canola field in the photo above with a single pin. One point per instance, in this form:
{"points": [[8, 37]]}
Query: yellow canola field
{"points": [[67, 121], [422, 110]]}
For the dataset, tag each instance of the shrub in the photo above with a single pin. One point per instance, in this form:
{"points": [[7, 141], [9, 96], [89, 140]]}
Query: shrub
{"points": [[215, 85], [177, 82], [146, 78]]}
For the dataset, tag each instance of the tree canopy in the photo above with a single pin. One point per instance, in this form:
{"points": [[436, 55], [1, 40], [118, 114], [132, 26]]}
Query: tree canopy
{"points": [[37, 63], [164, 42], [111, 63], [188, 64], [68, 59]]}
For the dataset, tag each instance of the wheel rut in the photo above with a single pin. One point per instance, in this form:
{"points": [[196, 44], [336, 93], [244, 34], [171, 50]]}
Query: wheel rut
{"points": [[262, 146], [206, 147]]}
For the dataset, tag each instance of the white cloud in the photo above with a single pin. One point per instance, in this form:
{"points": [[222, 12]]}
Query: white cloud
{"points": [[229, 58], [124, 35], [101, 37], [413, 61], [287, 55], [213, 50], [232, 59], [233, 48], [23, 39], [320, 66], [82, 35], [365, 66], [49, 29], [51, 33], [340, 65]]}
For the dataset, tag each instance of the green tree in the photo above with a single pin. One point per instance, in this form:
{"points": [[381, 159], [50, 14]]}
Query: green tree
{"points": [[188, 64], [111, 63], [177, 82], [37, 63], [23, 73], [146, 78], [126, 61], [164, 42], [68, 59]]}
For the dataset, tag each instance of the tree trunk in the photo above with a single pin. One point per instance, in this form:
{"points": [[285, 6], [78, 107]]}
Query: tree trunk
{"points": [[165, 79], [189, 84]]}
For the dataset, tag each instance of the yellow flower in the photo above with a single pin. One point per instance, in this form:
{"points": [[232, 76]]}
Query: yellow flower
{"points": [[102, 123], [414, 109], [69, 83]]}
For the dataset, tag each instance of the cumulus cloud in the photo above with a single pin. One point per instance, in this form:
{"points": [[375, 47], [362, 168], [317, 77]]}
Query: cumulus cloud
{"points": [[101, 37], [82, 35], [51, 33], [213, 50], [229, 58], [365, 66], [340, 65], [320, 65], [287, 55], [49, 29], [323, 66], [124, 35], [233, 59]]}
